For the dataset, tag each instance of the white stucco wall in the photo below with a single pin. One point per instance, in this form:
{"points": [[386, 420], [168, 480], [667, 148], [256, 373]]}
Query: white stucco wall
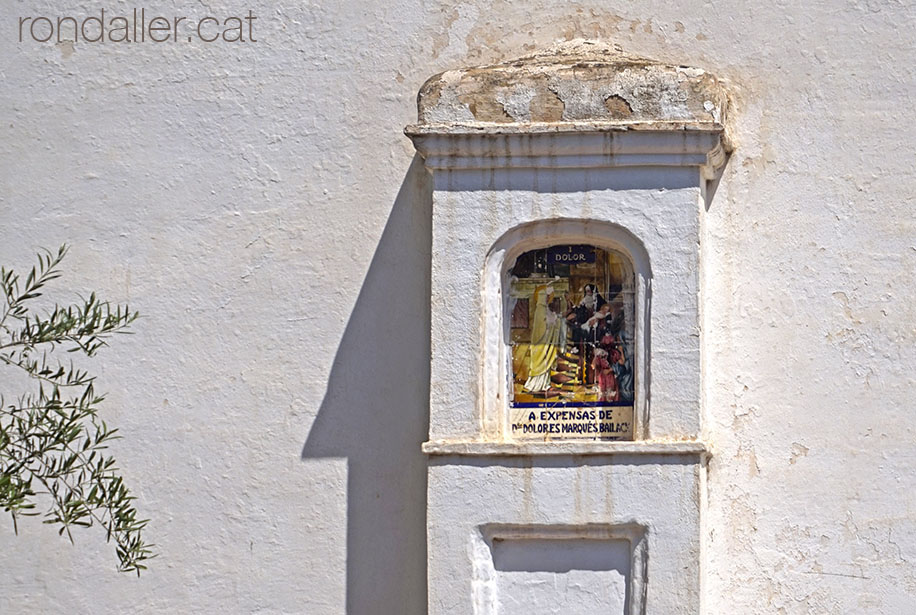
{"points": [[259, 205]]}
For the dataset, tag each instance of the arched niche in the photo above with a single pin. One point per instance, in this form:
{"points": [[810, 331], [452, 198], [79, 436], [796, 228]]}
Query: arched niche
{"points": [[500, 386]]}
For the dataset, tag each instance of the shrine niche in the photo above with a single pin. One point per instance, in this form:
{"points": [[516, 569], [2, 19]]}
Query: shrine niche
{"points": [[572, 314], [566, 371]]}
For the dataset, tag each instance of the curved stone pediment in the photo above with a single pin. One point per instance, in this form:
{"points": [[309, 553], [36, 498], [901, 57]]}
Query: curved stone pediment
{"points": [[578, 86]]}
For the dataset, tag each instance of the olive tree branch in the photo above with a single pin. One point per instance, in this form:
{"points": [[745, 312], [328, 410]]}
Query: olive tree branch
{"points": [[56, 441]]}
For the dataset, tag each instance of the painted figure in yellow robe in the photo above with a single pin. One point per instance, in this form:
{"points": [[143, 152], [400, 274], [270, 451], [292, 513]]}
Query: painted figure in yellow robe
{"points": [[548, 339]]}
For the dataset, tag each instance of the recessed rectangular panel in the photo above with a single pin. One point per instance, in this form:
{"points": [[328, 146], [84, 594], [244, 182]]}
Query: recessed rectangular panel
{"points": [[553, 576]]}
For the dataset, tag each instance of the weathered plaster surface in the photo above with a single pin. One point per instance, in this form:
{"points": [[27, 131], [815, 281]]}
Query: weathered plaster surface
{"points": [[258, 205]]}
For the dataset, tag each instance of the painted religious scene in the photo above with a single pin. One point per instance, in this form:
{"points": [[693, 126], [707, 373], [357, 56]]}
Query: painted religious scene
{"points": [[571, 325]]}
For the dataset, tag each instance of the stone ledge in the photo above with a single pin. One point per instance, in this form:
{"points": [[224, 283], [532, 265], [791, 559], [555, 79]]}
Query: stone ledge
{"points": [[595, 126], [534, 449]]}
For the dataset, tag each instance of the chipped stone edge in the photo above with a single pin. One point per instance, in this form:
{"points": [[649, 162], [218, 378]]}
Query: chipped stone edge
{"points": [[509, 128], [470, 448]]}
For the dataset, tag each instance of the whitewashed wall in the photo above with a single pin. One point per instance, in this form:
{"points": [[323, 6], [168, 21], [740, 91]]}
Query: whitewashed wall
{"points": [[259, 204]]}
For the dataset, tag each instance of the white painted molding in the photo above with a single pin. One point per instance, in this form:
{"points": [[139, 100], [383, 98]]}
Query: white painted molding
{"points": [[528, 449], [562, 149]]}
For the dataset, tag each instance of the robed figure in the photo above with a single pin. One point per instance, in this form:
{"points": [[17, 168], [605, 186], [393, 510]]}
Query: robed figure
{"points": [[548, 339]]}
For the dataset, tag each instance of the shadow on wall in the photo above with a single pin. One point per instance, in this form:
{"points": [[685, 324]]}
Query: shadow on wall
{"points": [[375, 412]]}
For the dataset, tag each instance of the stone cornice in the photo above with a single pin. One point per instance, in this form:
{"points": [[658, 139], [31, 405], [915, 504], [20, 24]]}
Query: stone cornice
{"points": [[570, 149]]}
